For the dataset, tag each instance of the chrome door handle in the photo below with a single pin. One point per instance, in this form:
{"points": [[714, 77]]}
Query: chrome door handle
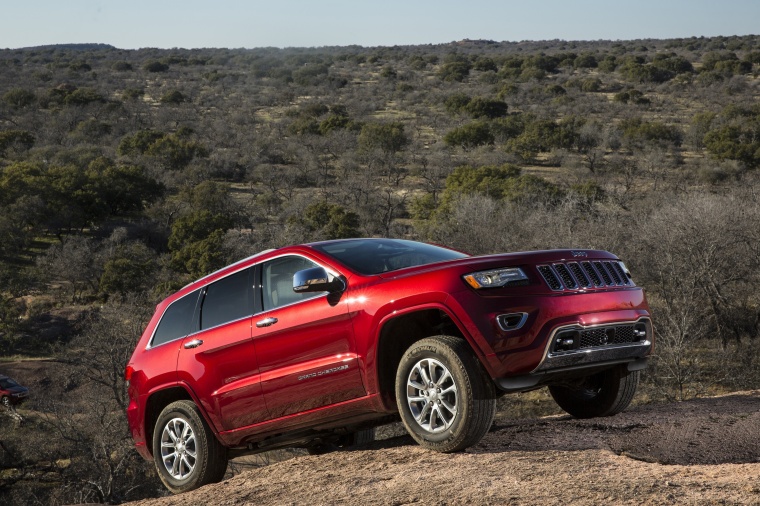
{"points": [[266, 322], [193, 344]]}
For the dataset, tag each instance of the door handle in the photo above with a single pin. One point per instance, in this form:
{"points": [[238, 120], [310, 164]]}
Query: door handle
{"points": [[193, 344], [266, 322]]}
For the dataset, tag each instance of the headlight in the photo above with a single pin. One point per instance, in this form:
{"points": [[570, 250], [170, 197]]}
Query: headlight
{"points": [[495, 278]]}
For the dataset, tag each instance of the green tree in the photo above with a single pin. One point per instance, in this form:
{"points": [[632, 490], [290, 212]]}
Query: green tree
{"points": [[390, 138], [330, 221], [19, 98], [456, 71], [540, 136], [138, 143], [83, 96], [672, 62], [585, 61], [173, 97], [456, 103], [484, 108], [196, 241], [485, 64], [155, 66], [503, 182], [735, 142], [130, 269], [17, 140], [638, 131], [469, 136]]}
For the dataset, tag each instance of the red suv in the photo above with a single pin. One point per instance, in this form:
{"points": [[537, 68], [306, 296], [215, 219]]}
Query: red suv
{"points": [[315, 345], [11, 393]]}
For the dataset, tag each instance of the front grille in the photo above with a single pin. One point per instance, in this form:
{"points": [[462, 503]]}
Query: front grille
{"points": [[605, 275], [592, 273], [583, 281], [565, 276], [584, 275], [551, 279]]}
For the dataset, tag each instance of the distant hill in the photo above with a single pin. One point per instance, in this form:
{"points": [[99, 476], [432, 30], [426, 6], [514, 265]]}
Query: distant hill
{"points": [[75, 47]]}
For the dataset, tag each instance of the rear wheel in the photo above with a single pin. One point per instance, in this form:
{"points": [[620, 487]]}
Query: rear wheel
{"points": [[604, 394], [186, 453], [445, 399], [5, 401]]}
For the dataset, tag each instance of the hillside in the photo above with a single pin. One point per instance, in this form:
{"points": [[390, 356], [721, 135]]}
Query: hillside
{"points": [[125, 174], [696, 452]]}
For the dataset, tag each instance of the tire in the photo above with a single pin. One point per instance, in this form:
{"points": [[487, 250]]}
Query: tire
{"points": [[5, 401], [358, 438], [202, 460], [604, 394], [456, 407]]}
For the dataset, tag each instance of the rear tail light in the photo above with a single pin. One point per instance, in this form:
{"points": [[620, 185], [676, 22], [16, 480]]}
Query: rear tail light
{"points": [[128, 372]]}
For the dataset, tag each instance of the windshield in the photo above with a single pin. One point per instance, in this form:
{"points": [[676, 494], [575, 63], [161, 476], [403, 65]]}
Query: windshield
{"points": [[7, 383], [375, 256]]}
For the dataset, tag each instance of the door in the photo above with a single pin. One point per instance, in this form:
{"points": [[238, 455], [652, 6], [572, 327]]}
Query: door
{"points": [[304, 343], [219, 359]]}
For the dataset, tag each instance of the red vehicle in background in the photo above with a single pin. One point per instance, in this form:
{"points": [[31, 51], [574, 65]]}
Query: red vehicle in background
{"points": [[11, 393], [315, 345]]}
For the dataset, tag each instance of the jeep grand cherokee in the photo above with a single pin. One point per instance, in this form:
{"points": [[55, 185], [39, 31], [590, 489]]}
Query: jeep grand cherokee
{"points": [[315, 345]]}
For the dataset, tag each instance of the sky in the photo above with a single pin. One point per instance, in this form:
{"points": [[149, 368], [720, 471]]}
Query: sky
{"points": [[131, 24]]}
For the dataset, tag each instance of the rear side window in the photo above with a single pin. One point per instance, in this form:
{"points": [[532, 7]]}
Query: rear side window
{"points": [[176, 322], [228, 299]]}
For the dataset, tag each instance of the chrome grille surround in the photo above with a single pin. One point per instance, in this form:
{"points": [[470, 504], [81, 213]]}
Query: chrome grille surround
{"points": [[570, 276]]}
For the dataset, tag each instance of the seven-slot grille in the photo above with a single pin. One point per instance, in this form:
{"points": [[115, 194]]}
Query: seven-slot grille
{"points": [[581, 275]]}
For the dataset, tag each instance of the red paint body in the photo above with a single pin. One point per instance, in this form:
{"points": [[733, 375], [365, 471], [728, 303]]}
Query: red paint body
{"points": [[317, 367]]}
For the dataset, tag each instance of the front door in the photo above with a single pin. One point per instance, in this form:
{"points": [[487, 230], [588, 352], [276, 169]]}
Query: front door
{"points": [[304, 343]]}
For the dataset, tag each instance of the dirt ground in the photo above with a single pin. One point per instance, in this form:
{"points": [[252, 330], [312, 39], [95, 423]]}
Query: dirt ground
{"points": [[705, 451]]}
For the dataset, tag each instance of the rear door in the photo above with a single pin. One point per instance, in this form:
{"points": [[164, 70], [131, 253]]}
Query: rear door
{"points": [[304, 343], [219, 360]]}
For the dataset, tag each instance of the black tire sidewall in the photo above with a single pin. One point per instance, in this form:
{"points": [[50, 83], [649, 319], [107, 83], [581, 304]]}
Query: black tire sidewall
{"points": [[440, 352], [188, 413], [607, 401]]}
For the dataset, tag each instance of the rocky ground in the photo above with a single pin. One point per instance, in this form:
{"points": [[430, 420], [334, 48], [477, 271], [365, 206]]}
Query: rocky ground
{"points": [[704, 451]]}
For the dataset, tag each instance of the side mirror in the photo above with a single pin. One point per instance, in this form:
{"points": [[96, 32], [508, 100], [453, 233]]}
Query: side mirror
{"points": [[315, 279]]}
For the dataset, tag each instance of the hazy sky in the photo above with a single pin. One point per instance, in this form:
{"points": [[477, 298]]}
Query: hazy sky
{"points": [[286, 23]]}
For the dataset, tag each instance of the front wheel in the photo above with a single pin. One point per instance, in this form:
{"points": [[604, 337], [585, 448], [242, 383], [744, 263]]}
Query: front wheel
{"points": [[186, 453], [5, 401], [604, 394], [445, 399]]}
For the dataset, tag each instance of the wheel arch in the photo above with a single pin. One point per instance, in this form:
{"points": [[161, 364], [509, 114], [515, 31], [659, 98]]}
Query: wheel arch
{"points": [[399, 331], [156, 402]]}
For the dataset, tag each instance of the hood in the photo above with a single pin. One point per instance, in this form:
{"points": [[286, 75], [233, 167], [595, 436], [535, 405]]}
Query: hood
{"points": [[505, 260]]}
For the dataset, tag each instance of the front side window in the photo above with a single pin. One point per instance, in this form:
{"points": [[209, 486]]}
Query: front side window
{"points": [[177, 319], [227, 300], [277, 281]]}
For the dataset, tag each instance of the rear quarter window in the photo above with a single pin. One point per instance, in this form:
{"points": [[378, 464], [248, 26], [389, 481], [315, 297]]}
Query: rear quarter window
{"points": [[177, 320]]}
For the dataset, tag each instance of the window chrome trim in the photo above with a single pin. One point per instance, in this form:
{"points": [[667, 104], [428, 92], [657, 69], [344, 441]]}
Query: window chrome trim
{"points": [[200, 289]]}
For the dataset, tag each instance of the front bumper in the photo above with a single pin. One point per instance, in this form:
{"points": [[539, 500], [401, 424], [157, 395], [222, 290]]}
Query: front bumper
{"points": [[562, 361]]}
